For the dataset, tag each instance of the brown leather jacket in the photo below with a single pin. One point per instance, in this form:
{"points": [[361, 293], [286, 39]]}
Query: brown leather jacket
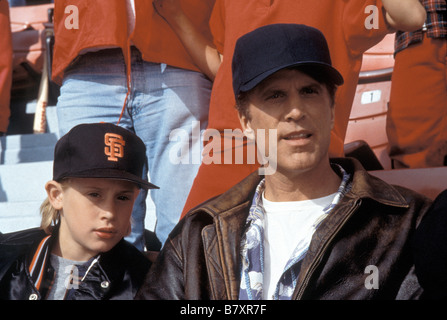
{"points": [[371, 226]]}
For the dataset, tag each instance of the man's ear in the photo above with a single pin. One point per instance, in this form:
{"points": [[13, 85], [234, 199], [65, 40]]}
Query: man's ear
{"points": [[246, 127], [55, 194]]}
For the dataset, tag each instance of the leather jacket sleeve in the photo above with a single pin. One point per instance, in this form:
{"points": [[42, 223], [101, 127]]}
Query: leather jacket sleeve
{"points": [[165, 279]]}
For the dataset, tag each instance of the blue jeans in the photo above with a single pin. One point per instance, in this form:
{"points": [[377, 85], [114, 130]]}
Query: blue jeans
{"points": [[162, 99]]}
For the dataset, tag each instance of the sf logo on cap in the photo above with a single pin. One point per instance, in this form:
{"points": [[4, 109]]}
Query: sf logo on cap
{"points": [[114, 146]]}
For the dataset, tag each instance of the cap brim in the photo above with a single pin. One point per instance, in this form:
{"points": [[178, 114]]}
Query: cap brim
{"points": [[333, 74], [111, 174]]}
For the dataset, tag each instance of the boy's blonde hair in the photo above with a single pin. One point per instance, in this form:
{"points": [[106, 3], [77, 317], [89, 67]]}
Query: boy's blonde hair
{"points": [[50, 215]]}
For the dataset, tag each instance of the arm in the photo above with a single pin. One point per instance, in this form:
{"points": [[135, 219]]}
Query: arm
{"points": [[404, 15], [165, 279], [204, 54]]}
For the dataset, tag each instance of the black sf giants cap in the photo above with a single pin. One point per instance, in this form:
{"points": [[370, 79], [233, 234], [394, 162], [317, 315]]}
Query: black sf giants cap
{"points": [[100, 150], [268, 49]]}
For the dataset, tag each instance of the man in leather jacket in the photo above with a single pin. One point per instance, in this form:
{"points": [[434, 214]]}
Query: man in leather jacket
{"points": [[310, 227]]}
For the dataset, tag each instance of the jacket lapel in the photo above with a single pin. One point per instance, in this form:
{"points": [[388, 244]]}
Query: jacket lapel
{"points": [[363, 186], [222, 239]]}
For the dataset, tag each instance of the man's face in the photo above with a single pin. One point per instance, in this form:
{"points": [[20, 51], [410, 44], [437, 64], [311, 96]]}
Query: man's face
{"points": [[301, 111]]}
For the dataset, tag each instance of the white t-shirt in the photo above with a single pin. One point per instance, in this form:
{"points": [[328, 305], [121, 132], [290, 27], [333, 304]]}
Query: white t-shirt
{"points": [[286, 224], [64, 269]]}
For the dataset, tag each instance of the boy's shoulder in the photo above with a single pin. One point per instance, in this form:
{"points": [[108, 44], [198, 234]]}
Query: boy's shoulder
{"points": [[22, 237], [13, 245], [126, 253]]}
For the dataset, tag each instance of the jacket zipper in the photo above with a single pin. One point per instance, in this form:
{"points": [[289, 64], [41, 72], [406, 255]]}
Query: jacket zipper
{"points": [[317, 259]]}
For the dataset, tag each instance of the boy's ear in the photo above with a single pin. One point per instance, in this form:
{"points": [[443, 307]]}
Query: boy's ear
{"points": [[54, 193]]}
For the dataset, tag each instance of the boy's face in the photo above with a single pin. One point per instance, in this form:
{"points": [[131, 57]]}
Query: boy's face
{"points": [[95, 215], [301, 112]]}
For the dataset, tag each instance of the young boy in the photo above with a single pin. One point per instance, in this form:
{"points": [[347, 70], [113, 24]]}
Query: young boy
{"points": [[79, 251]]}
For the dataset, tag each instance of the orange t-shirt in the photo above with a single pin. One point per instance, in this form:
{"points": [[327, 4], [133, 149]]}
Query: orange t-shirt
{"points": [[344, 24], [81, 25]]}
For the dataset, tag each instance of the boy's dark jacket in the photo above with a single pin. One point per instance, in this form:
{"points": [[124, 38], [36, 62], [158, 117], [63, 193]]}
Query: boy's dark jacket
{"points": [[362, 250], [122, 268]]}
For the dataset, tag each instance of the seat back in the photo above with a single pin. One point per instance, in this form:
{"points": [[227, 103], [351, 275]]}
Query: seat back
{"points": [[427, 181]]}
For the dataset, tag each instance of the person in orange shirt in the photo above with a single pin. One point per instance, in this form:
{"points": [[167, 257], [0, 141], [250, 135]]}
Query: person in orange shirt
{"points": [[120, 62], [417, 113], [5, 66], [351, 27]]}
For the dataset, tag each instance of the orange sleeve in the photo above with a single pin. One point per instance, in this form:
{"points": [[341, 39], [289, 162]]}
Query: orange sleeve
{"points": [[364, 25], [217, 25]]}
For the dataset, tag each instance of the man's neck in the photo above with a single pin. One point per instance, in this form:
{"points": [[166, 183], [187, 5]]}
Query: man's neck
{"points": [[297, 186]]}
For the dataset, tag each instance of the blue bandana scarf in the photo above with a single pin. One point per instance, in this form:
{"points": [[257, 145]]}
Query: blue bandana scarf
{"points": [[252, 249]]}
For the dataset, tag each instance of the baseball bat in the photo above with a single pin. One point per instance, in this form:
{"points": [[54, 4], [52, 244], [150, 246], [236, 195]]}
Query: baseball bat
{"points": [[40, 120]]}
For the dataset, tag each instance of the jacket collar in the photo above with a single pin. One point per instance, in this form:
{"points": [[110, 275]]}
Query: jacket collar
{"points": [[364, 185]]}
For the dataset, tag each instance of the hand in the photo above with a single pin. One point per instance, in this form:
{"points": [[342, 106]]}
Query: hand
{"points": [[406, 15], [170, 10]]}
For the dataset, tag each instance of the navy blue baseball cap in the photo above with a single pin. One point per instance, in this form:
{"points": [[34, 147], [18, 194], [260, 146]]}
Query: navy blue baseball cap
{"points": [[101, 150], [268, 49]]}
